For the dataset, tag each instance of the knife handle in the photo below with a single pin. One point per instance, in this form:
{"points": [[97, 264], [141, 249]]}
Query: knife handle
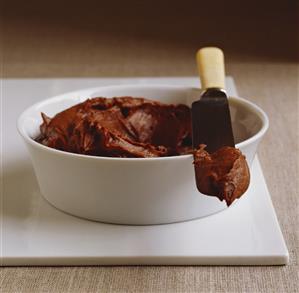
{"points": [[210, 62]]}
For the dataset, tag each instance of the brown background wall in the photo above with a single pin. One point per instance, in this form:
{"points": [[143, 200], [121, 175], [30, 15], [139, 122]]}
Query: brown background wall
{"points": [[108, 38]]}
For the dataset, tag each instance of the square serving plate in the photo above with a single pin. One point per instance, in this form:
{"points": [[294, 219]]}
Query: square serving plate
{"points": [[35, 233]]}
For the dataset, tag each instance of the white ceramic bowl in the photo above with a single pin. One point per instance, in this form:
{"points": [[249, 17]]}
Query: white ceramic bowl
{"points": [[131, 190]]}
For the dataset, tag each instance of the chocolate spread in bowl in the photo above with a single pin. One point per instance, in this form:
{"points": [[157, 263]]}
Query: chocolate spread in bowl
{"points": [[142, 128], [120, 127]]}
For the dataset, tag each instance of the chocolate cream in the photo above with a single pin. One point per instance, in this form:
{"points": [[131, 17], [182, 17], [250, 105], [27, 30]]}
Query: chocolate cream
{"points": [[142, 128]]}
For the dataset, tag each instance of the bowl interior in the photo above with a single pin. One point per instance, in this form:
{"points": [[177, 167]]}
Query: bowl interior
{"points": [[247, 119]]}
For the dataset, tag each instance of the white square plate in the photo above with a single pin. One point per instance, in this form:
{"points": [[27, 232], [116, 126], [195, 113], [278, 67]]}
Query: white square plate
{"points": [[35, 233]]}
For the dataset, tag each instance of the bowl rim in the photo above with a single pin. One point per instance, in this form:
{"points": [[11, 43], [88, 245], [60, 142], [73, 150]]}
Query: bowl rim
{"points": [[89, 91]]}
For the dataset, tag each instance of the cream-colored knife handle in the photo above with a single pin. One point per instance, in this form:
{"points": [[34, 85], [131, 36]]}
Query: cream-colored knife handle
{"points": [[210, 61]]}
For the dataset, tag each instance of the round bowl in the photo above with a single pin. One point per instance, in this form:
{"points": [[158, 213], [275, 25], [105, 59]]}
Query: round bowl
{"points": [[136, 191]]}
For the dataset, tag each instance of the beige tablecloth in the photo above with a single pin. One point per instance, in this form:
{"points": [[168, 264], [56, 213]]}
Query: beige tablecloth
{"points": [[139, 38]]}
